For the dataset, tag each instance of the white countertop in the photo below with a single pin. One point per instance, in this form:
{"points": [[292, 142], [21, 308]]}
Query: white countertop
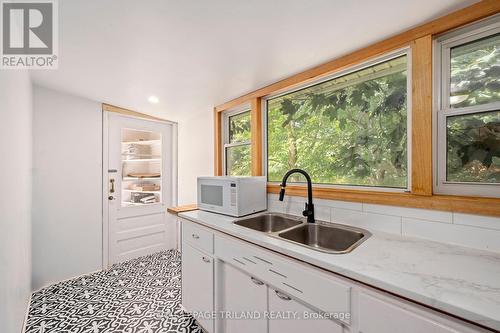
{"points": [[460, 281]]}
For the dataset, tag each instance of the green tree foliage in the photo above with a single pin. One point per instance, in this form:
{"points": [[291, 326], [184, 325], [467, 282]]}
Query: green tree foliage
{"points": [[474, 148], [343, 133], [238, 158], [475, 73], [473, 140]]}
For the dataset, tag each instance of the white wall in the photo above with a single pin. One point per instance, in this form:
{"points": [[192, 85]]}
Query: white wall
{"points": [[196, 153], [15, 198], [67, 186]]}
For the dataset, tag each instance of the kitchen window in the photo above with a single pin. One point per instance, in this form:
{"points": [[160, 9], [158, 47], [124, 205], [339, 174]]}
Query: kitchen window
{"points": [[349, 130], [237, 144], [468, 110]]}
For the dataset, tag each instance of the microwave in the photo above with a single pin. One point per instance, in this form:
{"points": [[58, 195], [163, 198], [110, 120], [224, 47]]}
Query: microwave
{"points": [[234, 196]]}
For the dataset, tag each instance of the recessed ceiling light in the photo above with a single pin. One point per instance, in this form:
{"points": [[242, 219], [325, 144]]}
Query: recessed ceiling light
{"points": [[153, 99]]}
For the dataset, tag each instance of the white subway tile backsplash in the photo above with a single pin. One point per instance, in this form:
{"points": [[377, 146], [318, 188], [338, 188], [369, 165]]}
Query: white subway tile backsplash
{"points": [[385, 223], [319, 202], [274, 206], [416, 213], [479, 221], [480, 232], [272, 196], [322, 213], [293, 208], [467, 236], [339, 204]]}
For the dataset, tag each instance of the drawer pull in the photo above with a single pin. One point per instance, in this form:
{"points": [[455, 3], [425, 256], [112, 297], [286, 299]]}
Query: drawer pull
{"points": [[249, 260], [277, 273], [205, 259], [195, 236], [257, 282], [239, 261], [292, 287], [282, 296], [263, 260]]}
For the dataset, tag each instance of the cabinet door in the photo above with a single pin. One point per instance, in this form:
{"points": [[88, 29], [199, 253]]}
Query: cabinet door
{"points": [[198, 285], [378, 316], [243, 301], [288, 315]]}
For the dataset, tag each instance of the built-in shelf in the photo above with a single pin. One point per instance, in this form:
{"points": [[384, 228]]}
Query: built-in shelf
{"points": [[139, 191], [143, 160], [137, 178], [145, 142], [142, 155], [141, 167], [128, 203]]}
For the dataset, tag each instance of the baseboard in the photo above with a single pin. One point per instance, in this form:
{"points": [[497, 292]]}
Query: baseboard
{"points": [[26, 314], [71, 278]]}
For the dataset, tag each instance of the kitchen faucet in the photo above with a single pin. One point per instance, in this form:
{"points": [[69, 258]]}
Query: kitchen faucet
{"points": [[309, 210]]}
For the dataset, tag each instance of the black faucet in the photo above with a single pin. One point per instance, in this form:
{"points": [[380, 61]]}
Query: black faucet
{"points": [[309, 211]]}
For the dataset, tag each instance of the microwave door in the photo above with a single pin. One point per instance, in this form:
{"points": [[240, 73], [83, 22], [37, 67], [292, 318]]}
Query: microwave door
{"points": [[212, 195]]}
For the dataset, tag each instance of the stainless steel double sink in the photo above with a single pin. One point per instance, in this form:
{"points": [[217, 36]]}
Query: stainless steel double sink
{"points": [[320, 236]]}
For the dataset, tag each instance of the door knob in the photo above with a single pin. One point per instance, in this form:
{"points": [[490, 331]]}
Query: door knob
{"points": [[111, 197]]}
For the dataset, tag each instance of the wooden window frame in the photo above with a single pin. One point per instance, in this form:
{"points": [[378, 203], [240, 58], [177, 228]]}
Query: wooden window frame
{"points": [[443, 110], [402, 52], [420, 41], [226, 115]]}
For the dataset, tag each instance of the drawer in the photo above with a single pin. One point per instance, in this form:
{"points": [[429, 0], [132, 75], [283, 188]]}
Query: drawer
{"points": [[235, 253], [320, 289], [198, 236], [281, 303]]}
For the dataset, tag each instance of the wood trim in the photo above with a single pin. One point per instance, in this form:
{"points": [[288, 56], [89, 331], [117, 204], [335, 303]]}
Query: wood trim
{"points": [[420, 40], [421, 115], [458, 18], [256, 137], [471, 205], [181, 209], [218, 169], [127, 112]]}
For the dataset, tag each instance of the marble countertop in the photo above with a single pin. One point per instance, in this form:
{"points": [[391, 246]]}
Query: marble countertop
{"points": [[460, 281]]}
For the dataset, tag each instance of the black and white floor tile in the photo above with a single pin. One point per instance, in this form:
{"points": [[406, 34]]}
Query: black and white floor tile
{"points": [[142, 295]]}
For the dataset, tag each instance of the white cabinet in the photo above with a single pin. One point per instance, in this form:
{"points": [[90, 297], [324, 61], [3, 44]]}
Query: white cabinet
{"points": [[243, 300], [288, 315], [382, 315], [312, 286], [198, 285], [199, 237], [239, 280]]}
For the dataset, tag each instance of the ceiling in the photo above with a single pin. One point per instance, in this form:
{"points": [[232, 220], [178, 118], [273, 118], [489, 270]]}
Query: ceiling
{"points": [[194, 54]]}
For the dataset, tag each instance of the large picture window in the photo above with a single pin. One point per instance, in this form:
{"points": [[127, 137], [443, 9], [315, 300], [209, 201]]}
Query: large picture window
{"points": [[468, 110], [237, 147], [349, 130]]}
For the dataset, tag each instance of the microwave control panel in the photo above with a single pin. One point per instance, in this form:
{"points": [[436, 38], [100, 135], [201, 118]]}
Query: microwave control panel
{"points": [[233, 194]]}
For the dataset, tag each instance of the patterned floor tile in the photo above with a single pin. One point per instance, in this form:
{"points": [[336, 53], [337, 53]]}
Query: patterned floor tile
{"points": [[138, 296]]}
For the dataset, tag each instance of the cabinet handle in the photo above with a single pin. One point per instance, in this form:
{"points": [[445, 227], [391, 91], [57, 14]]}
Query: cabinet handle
{"points": [[205, 259], [195, 236], [257, 282], [282, 296]]}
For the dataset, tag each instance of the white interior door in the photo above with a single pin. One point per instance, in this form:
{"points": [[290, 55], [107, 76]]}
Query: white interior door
{"points": [[139, 184]]}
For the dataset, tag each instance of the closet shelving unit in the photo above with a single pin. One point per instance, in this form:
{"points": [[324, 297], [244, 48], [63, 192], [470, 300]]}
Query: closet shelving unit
{"points": [[141, 160]]}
